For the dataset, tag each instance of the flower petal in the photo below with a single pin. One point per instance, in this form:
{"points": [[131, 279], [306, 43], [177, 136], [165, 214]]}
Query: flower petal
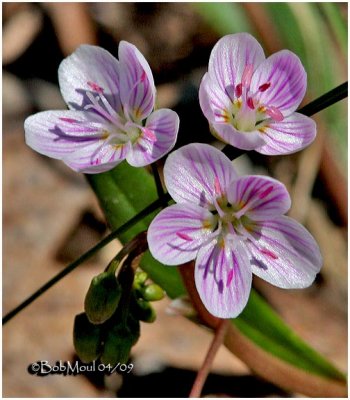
{"points": [[177, 232], [157, 139], [78, 138], [213, 100], [223, 277], [285, 254], [287, 76], [137, 89], [194, 172], [230, 56], [87, 68], [242, 140], [258, 197], [292, 134], [58, 133], [99, 158]]}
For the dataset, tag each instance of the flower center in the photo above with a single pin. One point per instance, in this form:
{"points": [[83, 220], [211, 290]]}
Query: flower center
{"points": [[231, 218], [121, 129], [248, 113]]}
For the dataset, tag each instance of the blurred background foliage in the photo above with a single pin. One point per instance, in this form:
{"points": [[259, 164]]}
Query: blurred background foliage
{"points": [[176, 39]]}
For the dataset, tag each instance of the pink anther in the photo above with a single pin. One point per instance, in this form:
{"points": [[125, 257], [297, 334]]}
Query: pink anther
{"points": [[275, 113], [238, 90], [95, 87], [264, 86], [250, 103]]}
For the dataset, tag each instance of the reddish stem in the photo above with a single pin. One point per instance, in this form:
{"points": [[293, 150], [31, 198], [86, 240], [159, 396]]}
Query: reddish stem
{"points": [[206, 366], [220, 326]]}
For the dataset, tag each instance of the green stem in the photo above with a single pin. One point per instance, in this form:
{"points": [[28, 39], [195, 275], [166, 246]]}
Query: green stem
{"points": [[138, 243], [159, 186]]}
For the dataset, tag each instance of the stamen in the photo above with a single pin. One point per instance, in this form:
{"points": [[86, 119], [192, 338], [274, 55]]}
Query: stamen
{"points": [[264, 86], [218, 208], [274, 113], [109, 114], [184, 236], [238, 90], [94, 86], [247, 75], [250, 103]]}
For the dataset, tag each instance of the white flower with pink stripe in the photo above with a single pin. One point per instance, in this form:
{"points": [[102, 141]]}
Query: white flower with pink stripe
{"points": [[250, 101], [111, 113], [232, 226]]}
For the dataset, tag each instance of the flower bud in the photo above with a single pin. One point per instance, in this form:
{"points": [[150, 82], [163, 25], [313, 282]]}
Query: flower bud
{"points": [[141, 277], [86, 338], [119, 341], [102, 298], [153, 292], [143, 311]]}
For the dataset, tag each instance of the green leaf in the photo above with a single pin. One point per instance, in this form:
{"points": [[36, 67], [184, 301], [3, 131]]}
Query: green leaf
{"points": [[274, 336], [125, 191], [304, 30], [337, 22], [224, 17]]}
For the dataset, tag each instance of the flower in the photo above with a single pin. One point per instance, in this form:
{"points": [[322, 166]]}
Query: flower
{"points": [[233, 227], [110, 116], [250, 101]]}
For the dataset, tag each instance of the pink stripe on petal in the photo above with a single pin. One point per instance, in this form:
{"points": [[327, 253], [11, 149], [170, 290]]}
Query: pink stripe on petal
{"points": [[292, 134], [190, 174], [184, 236], [285, 254], [231, 56], [60, 133], [259, 197], [269, 253], [176, 234], [81, 71], [137, 89], [223, 278], [266, 192], [287, 78]]}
